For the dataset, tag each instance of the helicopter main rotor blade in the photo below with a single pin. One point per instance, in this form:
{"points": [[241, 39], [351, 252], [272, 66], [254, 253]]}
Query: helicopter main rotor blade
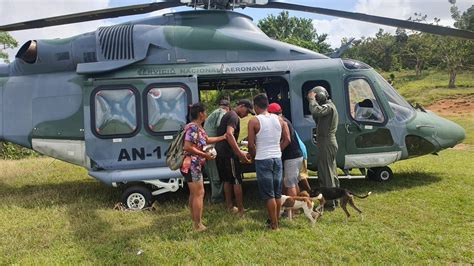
{"points": [[370, 18], [93, 15]]}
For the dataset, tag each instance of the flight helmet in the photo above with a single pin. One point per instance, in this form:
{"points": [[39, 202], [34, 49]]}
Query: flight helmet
{"points": [[322, 95]]}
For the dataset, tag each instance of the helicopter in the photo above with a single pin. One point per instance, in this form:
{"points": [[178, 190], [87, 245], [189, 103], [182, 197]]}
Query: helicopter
{"points": [[112, 100]]}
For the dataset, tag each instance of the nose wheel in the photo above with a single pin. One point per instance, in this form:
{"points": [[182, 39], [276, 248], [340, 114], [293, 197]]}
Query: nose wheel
{"points": [[381, 174]]}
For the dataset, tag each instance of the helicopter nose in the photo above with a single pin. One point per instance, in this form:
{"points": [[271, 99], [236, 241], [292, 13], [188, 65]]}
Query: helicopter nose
{"points": [[449, 134], [432, 133]]}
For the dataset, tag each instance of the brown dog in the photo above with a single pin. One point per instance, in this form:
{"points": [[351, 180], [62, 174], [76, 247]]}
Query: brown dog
{"points": [[334, 193], [302, 201]]}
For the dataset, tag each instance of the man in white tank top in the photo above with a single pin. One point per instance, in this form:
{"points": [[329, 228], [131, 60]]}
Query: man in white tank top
{"points": [[268, 135]]}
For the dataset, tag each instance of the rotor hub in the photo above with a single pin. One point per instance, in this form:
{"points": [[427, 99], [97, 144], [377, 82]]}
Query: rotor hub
{"points": [[223, 4]]}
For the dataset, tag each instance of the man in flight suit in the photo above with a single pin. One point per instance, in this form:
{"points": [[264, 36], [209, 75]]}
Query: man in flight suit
{"points": [[326, 117]]}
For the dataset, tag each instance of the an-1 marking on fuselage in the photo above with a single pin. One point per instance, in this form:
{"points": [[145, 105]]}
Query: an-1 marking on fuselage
{"points": [[138, 154]]}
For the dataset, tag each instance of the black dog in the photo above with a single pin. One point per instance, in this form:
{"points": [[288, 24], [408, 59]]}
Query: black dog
{"points": [[334, 193]]}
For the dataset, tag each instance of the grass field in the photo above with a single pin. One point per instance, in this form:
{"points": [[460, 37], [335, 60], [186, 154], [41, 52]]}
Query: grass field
{"points": [[53, 213], [432, 85], [467, 122]]}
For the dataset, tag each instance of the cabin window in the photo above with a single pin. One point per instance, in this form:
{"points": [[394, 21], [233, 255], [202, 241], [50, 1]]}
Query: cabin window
{"points": [[115, 112], [166, 108], [307, 86], [279, 93], [363, 103]]}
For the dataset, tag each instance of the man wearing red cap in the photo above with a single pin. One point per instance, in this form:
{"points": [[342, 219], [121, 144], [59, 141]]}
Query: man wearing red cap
{"points": [[292, 156]]}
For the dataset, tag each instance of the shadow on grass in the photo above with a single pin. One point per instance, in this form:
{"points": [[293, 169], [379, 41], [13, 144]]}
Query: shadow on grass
{"points": [[82, 202], [215, 216], [87, 209], [88, 204], [101, 241], [99, 195], [106, 236], [400, 181], [65, 193]]}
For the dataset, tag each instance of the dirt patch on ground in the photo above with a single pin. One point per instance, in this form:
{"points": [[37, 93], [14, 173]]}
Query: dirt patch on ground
{"points": [[463, 147], [453, 107], [456, 107]]}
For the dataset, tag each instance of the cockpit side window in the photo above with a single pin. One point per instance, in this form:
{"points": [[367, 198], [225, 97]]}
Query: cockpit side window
{"points": [[363, 104], [400, 107]]}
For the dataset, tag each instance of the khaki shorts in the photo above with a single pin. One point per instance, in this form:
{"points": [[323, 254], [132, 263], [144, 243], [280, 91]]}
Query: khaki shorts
{"points": [[304, 170], [291, 170]]}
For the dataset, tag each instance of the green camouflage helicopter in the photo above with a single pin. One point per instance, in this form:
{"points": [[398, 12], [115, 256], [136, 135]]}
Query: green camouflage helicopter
{"points": [[112, 100]]}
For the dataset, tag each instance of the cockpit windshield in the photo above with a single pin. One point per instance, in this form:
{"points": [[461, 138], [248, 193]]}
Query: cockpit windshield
{"points": [[401, 108]]}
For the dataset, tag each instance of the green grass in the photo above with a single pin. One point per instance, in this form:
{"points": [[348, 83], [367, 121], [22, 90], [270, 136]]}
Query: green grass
{"points": [[467, 122], [432, 85], [54, 213]]}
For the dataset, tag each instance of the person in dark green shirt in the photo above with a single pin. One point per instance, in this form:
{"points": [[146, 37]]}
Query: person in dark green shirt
{"points": [[210, 126], [326, 117]]}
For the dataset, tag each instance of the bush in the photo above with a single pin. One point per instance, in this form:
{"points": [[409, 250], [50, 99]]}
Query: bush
{"points": [[10, 151]]}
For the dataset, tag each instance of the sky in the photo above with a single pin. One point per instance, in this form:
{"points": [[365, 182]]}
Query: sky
{"points": [[12, 11]]}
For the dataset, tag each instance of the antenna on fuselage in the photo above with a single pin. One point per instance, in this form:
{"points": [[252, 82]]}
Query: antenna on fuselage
{"points": [[341, 50]]}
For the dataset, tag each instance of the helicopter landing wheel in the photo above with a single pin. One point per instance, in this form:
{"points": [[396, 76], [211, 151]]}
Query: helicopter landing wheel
{"points": [[381, 174], [137, 197]]}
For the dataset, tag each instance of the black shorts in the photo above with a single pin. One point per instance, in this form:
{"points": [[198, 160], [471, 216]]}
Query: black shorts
{"points": [[229, 170], [187, 176]]}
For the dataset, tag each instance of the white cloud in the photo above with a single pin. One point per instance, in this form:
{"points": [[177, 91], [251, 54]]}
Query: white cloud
{"points": [[399, 9], [13, 11]]}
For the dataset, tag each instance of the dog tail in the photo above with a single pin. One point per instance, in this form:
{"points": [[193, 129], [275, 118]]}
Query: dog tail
{"points": [[362, 197], [320, 196]]}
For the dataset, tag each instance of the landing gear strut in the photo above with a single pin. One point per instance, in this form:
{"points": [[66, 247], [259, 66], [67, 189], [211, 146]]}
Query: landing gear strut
{"points": [[381, 174], [140, 195]]}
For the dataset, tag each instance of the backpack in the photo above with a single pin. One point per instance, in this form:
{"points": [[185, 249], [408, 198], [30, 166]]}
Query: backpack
{"points": [[175, 154]]}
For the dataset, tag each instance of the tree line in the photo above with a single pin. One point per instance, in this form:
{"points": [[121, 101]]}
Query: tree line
{"points": [[385, 51]]}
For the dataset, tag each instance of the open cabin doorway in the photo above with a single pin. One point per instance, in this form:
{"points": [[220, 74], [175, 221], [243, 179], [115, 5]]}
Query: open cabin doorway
{"points": [[235, 88]]}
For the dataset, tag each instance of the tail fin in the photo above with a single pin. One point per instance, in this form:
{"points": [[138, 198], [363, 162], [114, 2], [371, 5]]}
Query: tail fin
{"points": [[362, 197]]}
